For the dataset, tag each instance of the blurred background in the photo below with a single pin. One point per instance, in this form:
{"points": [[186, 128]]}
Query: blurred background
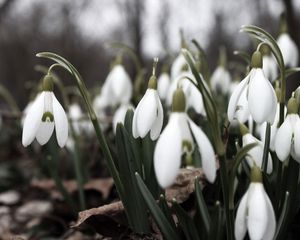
{"points": [[82, 30]]}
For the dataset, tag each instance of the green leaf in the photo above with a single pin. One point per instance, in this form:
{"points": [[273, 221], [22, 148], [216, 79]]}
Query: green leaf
{"points": [[202, 208], [134, 203], [243, 55], [186, 222], [157, 214], [267, 38], [236, 162], [281, 225], [166, 210]]}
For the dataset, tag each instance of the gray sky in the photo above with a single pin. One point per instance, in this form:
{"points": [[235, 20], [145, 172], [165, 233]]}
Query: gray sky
{"points": [[101, 19]]}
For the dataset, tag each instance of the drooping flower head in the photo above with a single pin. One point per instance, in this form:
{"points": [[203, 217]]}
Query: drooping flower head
{"points": [[254, 95], [255, 213], [177, 139], [287, 139], [148, 115], [45, 114]]}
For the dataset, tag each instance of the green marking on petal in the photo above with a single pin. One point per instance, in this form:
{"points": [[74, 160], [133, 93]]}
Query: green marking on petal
{"points": [[47, 117]]}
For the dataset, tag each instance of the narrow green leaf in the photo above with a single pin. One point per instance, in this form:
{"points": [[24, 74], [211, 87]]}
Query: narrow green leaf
{"points": [[202, 208], [186, 222], [236, 162], [134, 203], [281, 225], [157, 214], [243, 55], [166, 210]]}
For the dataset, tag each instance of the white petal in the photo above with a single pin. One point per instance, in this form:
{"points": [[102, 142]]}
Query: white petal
{"points": [[242, 113], [61, 122], [167, 154], [44, 132], [288, 49], [220, 80], [240, 226], [32, 120], [135, 133], [206, 151], [163, 84], [177, 65], [120, 114], [271, 227], [256, 153], [147, 113], [283, 139], [261, 97], [233, 101], [257, 211], [195, 100], [158, 123], [296, 145]]}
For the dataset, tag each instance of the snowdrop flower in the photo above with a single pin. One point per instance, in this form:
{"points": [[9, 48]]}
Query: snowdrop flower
{"points": [[120, 114], [255, 92], [193, 96], [288, 49], [255, 155], [26, 109], [163, 84], [270, 67], [45, 114], [148, 116], [287, 140], [75, 114], [274, 127], [117, 88], [255, 213], [176, 139], [220, 80], [178, 64]]}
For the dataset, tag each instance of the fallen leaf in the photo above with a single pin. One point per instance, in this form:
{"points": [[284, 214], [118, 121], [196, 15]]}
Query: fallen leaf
{"points": [[103, 186]]}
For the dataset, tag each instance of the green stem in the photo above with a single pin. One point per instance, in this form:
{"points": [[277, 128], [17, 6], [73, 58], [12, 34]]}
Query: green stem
{"points": [[266, 148], [224, 183], [100, 136], [76, 152], [9, 99]]}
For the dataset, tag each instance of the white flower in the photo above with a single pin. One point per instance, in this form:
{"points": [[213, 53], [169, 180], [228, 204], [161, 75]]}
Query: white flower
{"points": [[117, 88], [75, 114], [256, 93], [287, 140], [193, 96], [163, 84], [270, 67], [220, 80], [256, 153], [120, 114], [261, 129], [289, 50], [255, 214], [170, 147], [45, 114], [177, 66], [148, 116]]}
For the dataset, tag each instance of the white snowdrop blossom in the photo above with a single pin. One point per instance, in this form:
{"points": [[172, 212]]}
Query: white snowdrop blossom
{"points": [[220, 80], [287, 140], [169, 149], [270, 67], [75, 115], [288, 49], [148, 115], [255, 93], [178, 64], [255, 213], [120, 114], [163, 84], [255, 155], [45, 114], [117, 88], [193, 96]]}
